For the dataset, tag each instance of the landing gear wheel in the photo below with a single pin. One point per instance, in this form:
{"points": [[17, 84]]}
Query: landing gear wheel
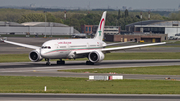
{"points": [[48, 63], [60, 62], [89, 63]]}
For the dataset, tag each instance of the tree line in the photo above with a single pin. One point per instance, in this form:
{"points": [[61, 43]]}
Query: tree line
{"points": [[78, 18]]}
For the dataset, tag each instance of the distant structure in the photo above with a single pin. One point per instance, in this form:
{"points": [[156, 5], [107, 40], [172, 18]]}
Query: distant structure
{"points": [[32, 5], [36, 28], [149, 16], [91, 29], [130, 8], [64, 15], [171, 28], [124, 7]]}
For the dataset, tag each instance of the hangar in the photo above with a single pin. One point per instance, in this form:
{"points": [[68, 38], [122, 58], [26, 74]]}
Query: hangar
{"points": [[38, 28]]}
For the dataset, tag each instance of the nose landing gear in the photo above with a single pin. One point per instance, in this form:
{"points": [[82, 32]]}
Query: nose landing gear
{"points": [[48, 63]]}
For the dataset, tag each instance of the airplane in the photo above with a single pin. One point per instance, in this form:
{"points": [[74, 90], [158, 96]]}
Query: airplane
{"points": [[94, 49]]}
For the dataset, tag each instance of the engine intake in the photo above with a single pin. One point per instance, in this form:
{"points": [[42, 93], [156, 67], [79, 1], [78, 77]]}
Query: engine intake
{"points": [[35, 56], [96, 56]]}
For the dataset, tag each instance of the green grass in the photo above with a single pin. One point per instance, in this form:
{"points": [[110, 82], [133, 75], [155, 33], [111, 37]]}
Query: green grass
{"points": [[155, 70], [134, 56], [23, 58], [109, 56], [18, 84], [14, 58]]}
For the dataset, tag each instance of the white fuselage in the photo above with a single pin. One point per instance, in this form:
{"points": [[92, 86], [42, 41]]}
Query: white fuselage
{"points": [[65, 48]]}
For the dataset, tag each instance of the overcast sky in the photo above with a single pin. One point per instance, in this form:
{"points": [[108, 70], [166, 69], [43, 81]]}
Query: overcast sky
{"points": [[135, 4]]}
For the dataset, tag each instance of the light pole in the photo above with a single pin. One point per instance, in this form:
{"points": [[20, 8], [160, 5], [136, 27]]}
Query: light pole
{"points": [[51, 25], [45, 24], [141, 23]]}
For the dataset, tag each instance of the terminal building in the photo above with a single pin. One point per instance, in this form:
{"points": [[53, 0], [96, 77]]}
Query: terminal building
{"points": [[37, 28]]}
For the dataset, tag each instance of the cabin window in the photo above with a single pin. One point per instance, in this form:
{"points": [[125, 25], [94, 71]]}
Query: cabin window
{"points": [[92, 45], [62, 46], [79, 46]]}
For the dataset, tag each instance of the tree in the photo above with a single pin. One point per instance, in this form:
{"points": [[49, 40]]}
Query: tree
{"points": [[119, 14], [137, 16], [126, 13], [38, 17]]}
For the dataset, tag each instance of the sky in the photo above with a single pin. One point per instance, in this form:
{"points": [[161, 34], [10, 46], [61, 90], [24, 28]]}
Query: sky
{"points": [[115, 4]]}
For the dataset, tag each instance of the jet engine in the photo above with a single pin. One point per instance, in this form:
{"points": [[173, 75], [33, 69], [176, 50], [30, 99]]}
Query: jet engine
{"points": [[35, 56], [96, 56]]}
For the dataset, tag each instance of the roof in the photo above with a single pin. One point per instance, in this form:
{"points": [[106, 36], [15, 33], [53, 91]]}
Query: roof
{"points": [[43, 24], [35, 24], [147, 22], [155, 22], [6, 23]]}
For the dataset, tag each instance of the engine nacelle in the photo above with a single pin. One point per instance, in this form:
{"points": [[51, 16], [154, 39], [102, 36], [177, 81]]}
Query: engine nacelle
{"points": [[96, 56], [35, 56]]}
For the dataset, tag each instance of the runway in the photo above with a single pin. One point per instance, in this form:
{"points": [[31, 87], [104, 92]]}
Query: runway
{"points": [[89, 97], [40, 69]]}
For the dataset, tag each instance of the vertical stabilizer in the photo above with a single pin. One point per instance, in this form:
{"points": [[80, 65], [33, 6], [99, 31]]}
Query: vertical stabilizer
{"points": [[100, 31]]}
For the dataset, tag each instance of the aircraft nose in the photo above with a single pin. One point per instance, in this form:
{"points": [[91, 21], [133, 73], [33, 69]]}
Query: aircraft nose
{"points": [[43, 53]]}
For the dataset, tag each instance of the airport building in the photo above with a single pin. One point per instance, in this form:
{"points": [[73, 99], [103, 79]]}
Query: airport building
{"points": [[37, 28], [91, 29], [136, 37], [148, 31], [171, 28]]}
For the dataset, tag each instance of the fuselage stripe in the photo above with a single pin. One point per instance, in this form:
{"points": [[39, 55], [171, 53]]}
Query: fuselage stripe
{"points": [[73, 49]]}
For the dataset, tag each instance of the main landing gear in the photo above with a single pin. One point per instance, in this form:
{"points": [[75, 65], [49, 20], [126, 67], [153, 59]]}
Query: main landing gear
{"points": [[89, 63], [61, 62]]}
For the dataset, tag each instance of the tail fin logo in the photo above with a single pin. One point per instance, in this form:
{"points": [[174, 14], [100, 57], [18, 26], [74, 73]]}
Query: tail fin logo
{"points": [[101, 26]]}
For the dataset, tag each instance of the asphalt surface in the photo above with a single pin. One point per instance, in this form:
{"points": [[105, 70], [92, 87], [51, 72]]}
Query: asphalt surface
{"points": [[88, 97], [40, 69]]}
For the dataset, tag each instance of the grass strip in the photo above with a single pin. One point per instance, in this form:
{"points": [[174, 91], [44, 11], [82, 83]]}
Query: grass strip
{"points": [[109, 56], [14, 58], [134, 56], [154, 70], [20, 84]]}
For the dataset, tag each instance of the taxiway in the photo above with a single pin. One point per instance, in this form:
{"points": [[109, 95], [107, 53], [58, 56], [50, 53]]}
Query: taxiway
{"points": [[89, 97], [40, 69]]}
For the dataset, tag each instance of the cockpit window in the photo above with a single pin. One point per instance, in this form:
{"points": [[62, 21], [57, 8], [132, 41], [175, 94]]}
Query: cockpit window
{"points": [[46, 47]]}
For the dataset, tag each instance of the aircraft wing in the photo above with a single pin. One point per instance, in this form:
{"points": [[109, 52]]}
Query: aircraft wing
{"points": [[22, 45], [130, 47], [120, 48], [112, 44]]}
